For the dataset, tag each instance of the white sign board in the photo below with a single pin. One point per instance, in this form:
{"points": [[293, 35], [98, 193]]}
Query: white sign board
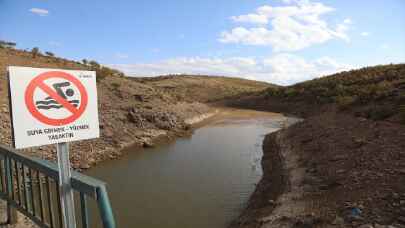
{"points": [[52, 106]]}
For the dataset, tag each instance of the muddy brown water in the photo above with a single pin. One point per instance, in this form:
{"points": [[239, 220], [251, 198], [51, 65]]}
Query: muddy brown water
{"points": [[202, 181]]}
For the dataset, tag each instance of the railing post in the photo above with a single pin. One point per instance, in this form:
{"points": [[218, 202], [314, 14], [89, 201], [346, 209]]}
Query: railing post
{"points": [[11, 214], [84, 210], [67, 201], [104, 205], [11, 211], [85, 185]]}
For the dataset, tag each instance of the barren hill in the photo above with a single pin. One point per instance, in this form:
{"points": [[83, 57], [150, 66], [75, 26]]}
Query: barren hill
{"points": [[344, 165], [131, 111], [205, 88], [376, 93]]}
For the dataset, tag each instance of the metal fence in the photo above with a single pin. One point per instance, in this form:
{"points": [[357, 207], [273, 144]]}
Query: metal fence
{"points": [[30, 185]]}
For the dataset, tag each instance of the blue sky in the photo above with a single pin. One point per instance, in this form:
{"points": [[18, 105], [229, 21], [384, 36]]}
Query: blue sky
{"points": [[280, 41]]}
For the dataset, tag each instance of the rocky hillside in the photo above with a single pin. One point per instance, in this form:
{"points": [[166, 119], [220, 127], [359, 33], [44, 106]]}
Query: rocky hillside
{"points": [[205, 88], [131, 111], [376, 93], [344, 165]]}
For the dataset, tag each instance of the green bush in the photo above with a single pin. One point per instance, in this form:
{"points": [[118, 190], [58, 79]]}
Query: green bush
{"points": [[344, 102], [273, 92], [290, 92]]}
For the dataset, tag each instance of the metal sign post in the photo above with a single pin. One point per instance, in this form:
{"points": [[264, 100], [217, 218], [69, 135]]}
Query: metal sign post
{"points": [[66, 191]]}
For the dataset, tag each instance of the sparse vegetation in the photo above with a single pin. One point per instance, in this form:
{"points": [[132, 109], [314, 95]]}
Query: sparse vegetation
{"points": [[370, 83], [94, 65], [50, 54], [380, 112], [376, 88], [7, 44], [345, 101], [115, 85], [204, 88], [35, 52], [102, 71]]}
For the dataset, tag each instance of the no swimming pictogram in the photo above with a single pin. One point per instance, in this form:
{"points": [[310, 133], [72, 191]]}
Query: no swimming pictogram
{"points": [[50, 106], [58, 87]]}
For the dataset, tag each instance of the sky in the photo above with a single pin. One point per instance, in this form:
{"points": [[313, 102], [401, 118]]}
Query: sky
{"points": [[278, 41]]}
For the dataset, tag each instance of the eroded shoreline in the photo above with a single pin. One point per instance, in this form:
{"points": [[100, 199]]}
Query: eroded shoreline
{"points": [[330, 170]]}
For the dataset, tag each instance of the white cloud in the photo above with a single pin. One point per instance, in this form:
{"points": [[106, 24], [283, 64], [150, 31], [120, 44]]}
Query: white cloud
{"points": [[287, 28], [385, 46], [347, 21], [282, 69], [287, 1], [251, 18], [39, 11], [364, 34], [288, 69]]}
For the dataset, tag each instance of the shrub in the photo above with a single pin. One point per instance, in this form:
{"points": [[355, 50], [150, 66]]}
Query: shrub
{"points": [[50, 54], [115, 85], [6, 44], [381, 112], [290, 92], [344, 102], [273, 92], [94, 65], [35, 52]]}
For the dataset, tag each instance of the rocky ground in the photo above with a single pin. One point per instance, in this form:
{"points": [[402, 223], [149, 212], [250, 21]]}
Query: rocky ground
{"points": [[331, 170], [131, 113], [343, 165]]}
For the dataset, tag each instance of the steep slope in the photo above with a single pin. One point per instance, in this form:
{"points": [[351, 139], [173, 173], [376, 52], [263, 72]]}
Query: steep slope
{"points": [[343, 166], [376, 93]]}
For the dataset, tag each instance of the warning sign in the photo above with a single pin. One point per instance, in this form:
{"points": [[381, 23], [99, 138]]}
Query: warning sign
{"points": [[52, 106]]}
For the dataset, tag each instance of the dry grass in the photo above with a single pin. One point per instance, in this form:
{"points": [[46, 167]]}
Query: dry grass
{"points": [[204, 88], [373, 92]]}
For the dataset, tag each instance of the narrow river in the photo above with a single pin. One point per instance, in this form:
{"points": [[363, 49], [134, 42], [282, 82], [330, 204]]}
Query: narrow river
{"points": [[202, 181]]}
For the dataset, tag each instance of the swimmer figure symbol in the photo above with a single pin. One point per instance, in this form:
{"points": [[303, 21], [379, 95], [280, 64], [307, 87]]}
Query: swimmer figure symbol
{"points": [[50, 103]]}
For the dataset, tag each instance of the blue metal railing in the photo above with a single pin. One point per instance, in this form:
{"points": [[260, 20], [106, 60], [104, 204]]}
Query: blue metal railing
{"points": [[30, 185]]}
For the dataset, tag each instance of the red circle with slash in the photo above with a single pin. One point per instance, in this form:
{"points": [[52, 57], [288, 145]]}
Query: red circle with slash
{"points": [[39, 83]]}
